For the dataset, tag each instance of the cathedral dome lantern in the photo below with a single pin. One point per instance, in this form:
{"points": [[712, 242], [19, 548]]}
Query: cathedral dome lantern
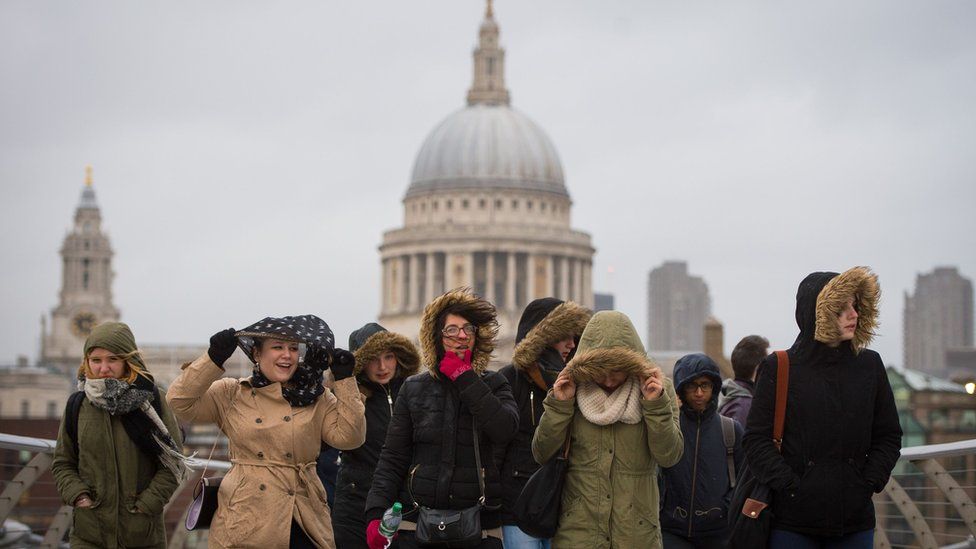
{"points": [[487, 207]]}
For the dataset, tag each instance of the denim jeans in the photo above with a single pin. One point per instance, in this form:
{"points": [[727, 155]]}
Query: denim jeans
{"points": [[783, 539], [514, 538]]}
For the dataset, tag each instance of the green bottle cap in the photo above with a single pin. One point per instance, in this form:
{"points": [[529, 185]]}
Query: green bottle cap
{"points": [[397, 507]]}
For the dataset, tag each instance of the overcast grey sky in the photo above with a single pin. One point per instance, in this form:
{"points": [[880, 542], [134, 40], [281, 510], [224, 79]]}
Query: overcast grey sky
{"points": [[248, 155]]}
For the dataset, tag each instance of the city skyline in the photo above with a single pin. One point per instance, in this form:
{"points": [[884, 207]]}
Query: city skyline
{"points": [[248, 159]]}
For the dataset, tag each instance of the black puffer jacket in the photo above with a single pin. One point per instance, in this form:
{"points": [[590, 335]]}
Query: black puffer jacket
{"points": [[842, 436], [356, 472], [695, 492], [545, 321], [429, 456]]}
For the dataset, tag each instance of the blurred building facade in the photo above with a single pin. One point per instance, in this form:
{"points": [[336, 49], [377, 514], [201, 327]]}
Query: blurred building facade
{"points": [[487, 208], [938, 318], [678, 305], [85, 299]]}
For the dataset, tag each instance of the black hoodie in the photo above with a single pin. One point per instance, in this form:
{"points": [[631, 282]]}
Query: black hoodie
{"points": [[842, 436]]}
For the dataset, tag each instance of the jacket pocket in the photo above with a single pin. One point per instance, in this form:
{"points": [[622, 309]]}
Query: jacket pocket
{"points": [[137, 529], [85, 525]]}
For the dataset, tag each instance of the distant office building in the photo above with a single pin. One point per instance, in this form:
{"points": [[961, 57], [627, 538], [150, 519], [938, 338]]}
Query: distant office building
{"points": [[677, 307], [938, 317], [602, 302]]}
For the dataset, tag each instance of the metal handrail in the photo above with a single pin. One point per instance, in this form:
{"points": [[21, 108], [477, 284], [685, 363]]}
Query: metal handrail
{"points": [[46, 446]]}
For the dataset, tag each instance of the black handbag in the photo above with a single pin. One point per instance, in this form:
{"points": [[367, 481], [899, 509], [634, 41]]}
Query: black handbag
{"points": [[453, 527], [751, 520], [537, 508], [204, 504], [201, 510]]}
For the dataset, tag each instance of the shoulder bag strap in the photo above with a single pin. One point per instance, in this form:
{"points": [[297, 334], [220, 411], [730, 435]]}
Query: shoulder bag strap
{"points": [[782, 386], [477, 460], [728, 437]]}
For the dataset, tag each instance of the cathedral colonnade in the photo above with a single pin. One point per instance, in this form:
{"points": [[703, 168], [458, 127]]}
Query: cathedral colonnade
{"points": [[510, 279]]}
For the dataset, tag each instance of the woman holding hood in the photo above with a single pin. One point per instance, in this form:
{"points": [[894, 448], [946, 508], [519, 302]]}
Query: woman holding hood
{"points": [[119, 462], [429, 457], [545, 340], [842, 436], [621, 415], [383, 361], [275, 421]]}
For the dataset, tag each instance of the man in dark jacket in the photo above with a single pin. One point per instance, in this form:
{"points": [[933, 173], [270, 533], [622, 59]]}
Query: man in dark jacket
{"points": [[545, 340], [842, 436], [696, 490], [429, 458], [736, 397]]}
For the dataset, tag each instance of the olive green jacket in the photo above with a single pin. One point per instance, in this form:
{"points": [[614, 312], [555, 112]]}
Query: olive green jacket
{"points": [[610, 495], [128, 488]]}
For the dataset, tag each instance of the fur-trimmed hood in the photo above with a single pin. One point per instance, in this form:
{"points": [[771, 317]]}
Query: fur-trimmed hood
{"points": [[858, 283], [609, 343], [372, 340], [470, 307], [822, 295], [567, 319]]}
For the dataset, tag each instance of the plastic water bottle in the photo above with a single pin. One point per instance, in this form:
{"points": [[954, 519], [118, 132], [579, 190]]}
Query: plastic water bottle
{"points": [[391, 522]]}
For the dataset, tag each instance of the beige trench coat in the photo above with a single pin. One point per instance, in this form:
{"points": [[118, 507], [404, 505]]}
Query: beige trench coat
{"points": [[273, 448]]}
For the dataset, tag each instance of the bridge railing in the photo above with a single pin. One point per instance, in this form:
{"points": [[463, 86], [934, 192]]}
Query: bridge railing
{"points": [[927, 503]]}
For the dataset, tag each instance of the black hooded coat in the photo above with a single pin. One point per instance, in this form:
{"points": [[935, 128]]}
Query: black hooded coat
{"points": [[545, 321], [842, 436], [428, 458], [358, 466]]}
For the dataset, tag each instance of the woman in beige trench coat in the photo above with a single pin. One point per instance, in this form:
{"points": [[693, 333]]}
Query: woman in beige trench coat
{"points": [[275, 421]]}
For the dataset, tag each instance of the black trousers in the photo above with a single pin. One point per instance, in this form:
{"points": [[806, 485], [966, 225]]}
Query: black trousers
{"points": [[299, 539]]}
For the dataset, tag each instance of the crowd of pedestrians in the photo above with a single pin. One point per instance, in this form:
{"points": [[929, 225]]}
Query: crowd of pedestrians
{"points": [[324, 441]]}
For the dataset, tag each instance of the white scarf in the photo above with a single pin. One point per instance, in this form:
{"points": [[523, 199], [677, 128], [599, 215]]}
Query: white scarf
{"points": [[602, 409]]}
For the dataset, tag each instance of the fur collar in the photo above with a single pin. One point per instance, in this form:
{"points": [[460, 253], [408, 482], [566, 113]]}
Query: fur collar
{"points": [[566, 320], [485, 343], [406, 352], [590, 364], [861, 284]]}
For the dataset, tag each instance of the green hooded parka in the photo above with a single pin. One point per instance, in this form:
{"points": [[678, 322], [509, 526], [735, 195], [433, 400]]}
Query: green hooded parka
{"points": [[610, 495]]}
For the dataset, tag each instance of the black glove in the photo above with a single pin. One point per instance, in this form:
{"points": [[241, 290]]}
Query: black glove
{"points": [[317, 358], [343, 363], [222, 345]]}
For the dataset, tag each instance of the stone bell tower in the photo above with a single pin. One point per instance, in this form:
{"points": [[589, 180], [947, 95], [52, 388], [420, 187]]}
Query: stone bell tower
{"points": [[86, 286]]}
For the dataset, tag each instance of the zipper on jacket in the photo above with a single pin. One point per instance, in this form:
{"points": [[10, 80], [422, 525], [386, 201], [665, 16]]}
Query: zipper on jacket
{"points": [[694, 477], [389, 398], [532, 403]]}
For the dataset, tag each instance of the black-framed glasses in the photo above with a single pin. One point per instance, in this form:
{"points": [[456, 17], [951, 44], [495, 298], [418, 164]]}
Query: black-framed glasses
{"points": [[704, 386], [453, 331]]}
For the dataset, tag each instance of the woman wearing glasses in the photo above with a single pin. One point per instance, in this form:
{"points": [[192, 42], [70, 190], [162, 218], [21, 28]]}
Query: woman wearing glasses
{"points": [[842, 436], [429, 458]]}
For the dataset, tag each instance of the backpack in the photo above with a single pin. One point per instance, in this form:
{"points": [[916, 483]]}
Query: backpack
{"points": [[728, 437]]}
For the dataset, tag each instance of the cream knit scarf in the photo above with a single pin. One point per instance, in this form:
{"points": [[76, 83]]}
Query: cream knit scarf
{"points": [[602, 409]]}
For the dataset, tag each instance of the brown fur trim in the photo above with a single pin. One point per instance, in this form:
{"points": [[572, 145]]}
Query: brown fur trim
{"points": [[485, 341], [589, 365], [566, 320], [406, 352], [861, 284]]}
